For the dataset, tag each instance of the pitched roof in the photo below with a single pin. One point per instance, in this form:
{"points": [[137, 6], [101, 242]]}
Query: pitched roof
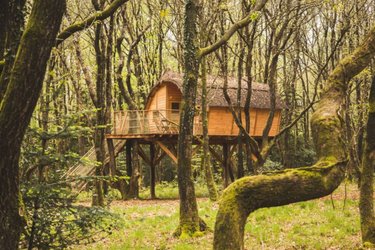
{"points": [[260, 96]]}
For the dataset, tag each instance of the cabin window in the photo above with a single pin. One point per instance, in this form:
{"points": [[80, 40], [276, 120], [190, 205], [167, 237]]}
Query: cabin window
{"points": [[175, 106]]}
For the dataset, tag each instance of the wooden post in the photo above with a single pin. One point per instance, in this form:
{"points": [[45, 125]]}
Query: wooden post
{"points": [[226, 164], [112, 159], [152, 171], [128, 150]]}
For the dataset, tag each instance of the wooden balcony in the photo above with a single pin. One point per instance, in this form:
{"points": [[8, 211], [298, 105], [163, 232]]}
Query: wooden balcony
{"points": [[149, 122]]}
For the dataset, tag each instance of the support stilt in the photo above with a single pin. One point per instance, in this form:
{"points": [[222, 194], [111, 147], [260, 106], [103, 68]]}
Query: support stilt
{"points": [[226, 164], [112, 160], [152, 171], [128, 150]]}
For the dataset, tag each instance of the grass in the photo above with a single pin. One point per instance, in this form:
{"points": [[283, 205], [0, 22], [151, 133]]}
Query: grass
{"points": [[306, 225]]}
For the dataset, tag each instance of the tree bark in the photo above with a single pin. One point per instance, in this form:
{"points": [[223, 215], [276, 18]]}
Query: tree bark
{"points": [[293, 185], [136, 173], [189, 219], [12, 19], [366, 203], [206, 162], [99, 137], [25, 84]]}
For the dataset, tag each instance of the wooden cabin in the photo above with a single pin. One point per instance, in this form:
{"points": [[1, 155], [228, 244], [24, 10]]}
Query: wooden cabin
{"points": [[162, 110], [158, 124]]}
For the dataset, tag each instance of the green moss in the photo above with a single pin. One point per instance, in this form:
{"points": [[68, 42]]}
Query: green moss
{"points": [[368, 245], [184, 235], [372, 107], [198, 234]]}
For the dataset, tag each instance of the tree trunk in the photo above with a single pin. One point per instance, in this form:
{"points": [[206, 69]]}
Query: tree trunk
{"points": [[12, 19], [206, 162], [189, 219], [25, 84], [366, 203], [136, 173], [293, 185], [99, 138]]}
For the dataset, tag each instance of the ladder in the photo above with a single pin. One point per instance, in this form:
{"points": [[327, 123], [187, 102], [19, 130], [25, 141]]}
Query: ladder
{"points": [[85, 167]]}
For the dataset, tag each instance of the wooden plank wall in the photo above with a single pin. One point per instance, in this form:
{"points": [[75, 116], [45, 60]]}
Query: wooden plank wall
{"points": [[221, 122], [174, 95]]}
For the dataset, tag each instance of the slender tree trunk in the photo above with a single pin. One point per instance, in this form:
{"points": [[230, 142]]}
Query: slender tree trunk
{"points": [[206, 162], [136, 173], [366, 202], [17, 106], [99, 139], [189, 219], [293, 185]]}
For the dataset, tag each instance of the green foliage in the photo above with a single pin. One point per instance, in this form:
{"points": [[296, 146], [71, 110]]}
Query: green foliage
{"points": [[56, 147], [54, 218], [56, 221], [271, 165]]}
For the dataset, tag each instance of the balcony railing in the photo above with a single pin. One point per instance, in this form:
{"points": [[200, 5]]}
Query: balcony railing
{"points": [[145, 122], [139, 122]]}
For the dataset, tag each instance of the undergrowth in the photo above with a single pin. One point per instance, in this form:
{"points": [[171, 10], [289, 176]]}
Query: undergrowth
{"points": [[306, 225]]}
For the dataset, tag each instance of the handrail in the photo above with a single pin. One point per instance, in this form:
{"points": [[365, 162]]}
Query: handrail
{"points": [[138, 122]]}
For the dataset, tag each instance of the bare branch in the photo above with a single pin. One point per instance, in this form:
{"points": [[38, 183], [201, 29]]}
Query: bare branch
{"points": [[98, 16], [239, 25]]}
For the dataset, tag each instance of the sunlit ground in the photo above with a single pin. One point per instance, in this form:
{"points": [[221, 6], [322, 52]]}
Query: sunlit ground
{"points": [[327, 223]]}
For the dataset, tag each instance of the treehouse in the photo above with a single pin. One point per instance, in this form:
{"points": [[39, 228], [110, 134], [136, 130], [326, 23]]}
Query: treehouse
{"points": [[158, 124], [162, 110]]}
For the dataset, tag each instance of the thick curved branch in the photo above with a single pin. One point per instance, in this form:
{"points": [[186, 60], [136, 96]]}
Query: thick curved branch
{"points": [[98, 16], [236, 26], [293, 185]]}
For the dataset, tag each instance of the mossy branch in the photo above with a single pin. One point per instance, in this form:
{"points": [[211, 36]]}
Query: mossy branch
{"points": [[98, 16], [284, 187], [251, 193]]}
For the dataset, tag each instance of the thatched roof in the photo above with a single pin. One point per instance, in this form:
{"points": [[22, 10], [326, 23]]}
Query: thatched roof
{"points": [[260, 97]]}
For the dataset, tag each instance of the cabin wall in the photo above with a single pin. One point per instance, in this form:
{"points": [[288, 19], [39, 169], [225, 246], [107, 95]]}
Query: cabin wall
{"points": [[221, 122], [174, 95], [164, 96], [158, 100]]}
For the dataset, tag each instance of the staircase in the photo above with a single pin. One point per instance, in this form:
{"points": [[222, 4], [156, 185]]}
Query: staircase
{"points": [[86, 166]]}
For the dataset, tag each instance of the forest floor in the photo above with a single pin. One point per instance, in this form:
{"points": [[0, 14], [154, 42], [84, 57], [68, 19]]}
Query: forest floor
{"points": [[328, 223]]}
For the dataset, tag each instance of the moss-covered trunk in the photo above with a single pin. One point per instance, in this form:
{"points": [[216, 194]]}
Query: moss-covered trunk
{"points": [[280, 188], [366, 203], [206, 163], [189, 219], [99, 136], [25, 84], [12, 24]]}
